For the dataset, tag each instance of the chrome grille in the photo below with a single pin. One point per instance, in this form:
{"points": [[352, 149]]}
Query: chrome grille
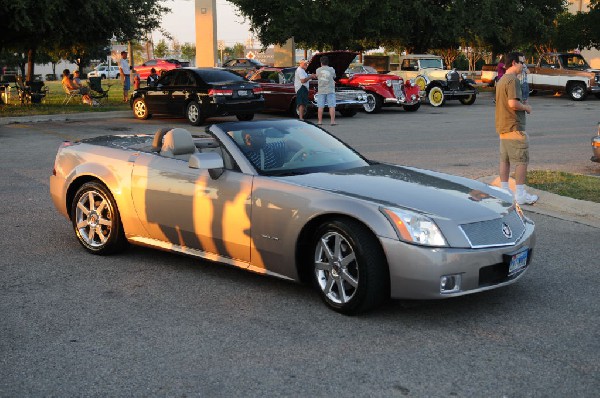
{"points": [[490, 233], [398, 93], [350, 97]]}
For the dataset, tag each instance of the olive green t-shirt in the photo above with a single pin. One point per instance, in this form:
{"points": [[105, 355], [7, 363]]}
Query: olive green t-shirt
{"points": [[507, 119]]}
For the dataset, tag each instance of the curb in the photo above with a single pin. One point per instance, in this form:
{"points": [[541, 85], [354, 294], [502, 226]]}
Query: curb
{"points": [[557, 206], [63, 117]]}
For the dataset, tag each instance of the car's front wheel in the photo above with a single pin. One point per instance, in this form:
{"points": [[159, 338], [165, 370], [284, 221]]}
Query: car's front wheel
{"points": [[96, 221], [350, 269], [436, 96], [577, 91], [194, 113], [140, 109], [245, 117], [374, 103], [412, 108]]}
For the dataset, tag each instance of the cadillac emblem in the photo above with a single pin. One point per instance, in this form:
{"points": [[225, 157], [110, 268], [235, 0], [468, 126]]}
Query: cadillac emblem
{"points": [[506, 231]]}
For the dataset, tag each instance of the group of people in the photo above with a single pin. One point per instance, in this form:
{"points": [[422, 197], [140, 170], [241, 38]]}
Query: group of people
{"points": [[74, 84], [325, 76]]}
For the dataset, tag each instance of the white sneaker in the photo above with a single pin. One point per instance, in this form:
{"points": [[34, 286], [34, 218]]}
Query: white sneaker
{"points": [[526, 199]]}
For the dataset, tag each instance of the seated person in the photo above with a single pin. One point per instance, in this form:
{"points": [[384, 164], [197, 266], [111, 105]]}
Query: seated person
{"points": [[152, 78], [265, 155], [71, 85], [77, 82]]}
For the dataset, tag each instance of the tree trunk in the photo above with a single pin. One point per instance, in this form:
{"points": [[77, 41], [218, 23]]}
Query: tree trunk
{"points": [[30, 64]]}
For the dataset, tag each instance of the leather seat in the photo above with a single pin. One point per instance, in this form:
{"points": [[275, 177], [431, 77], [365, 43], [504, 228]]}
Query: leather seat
{"points": [[178, 144]]}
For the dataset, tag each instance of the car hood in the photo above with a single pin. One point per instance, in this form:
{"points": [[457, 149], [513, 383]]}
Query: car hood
{"points": [[338, 60], [437, 194]]}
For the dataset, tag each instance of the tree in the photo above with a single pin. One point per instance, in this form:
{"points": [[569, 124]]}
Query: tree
{"points": [[32, 25], [161, 50], [188, 51]]}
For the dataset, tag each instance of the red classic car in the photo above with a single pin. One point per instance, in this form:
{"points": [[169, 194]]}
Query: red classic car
{"points": [[161, 65], [279, 93], [383, 90]]}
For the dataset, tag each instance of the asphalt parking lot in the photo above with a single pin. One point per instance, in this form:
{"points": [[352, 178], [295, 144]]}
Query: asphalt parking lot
{"points": [[149, 323]]}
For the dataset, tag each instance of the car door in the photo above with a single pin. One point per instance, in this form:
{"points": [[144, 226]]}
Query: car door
{"points": [[183, 206], [547, 74], [184, 83], [278, 93], [158, 97]]}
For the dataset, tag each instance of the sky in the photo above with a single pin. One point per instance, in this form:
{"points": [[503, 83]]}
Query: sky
{"points": [[180, 23]]}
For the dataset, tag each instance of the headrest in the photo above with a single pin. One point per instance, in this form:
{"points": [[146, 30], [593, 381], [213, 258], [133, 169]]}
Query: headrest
{"points": [[158, 138], [178, 142]]}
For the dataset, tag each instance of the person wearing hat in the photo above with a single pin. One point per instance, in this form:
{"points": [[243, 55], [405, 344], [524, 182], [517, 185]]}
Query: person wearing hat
{"points": [[125, 71], [301, 85]]}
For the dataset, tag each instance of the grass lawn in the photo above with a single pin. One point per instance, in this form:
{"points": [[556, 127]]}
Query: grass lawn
{"points": [[53, 102], [565, 184]]}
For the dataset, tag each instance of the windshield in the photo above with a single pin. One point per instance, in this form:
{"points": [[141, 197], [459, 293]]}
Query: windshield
{"points": [[214, 76], [574, 61], [431, 63], [289, 147]]}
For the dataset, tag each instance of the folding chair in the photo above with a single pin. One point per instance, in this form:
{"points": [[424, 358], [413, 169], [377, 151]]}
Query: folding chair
{"points": [[69, 94], [23, 91], [37, 91], [96, 91]]}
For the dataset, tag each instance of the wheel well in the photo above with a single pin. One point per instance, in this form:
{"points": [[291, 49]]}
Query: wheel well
{"points": [[303, 243], [572, 82], [75, 185]]}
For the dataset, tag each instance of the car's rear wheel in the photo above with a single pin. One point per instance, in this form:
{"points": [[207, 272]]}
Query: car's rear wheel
{"points": [[118, 76], [436, 96], [348, 112], [245, 117], [96, 221], [349, 266], [374, 103], [140, 109], [577, 91], [194, 113], [470, 100], [412, 108]]}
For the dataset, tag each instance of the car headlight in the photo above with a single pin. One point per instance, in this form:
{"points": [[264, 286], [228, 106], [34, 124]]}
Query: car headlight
{"points": [[388, 83], [414, 228]]}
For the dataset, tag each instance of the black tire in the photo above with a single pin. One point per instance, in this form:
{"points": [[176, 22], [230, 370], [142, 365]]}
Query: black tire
{"points": [[348, 112], [374, 103], [118, 76], [140, 109], [97, 225], [436, 96], [470, 100], [193, 113], [577, 91], [412, 108], [102, 77], [245, 117], [358, 286]]}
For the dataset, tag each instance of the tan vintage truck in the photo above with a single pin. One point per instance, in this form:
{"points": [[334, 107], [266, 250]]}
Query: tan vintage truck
{"points": [[565, 72]]}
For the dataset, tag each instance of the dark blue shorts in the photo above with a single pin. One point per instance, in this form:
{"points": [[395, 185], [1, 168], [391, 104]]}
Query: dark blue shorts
{"points": [[302, 96]]}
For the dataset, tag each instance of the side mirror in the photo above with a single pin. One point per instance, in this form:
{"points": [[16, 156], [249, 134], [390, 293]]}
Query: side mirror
{"points": [[211, 161]]}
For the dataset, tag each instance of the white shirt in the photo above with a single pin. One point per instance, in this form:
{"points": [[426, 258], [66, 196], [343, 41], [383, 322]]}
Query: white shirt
{"points": [[298, 77], [124, 65]]}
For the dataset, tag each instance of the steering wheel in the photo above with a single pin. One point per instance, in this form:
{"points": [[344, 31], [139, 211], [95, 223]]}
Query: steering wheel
{"points": [[301, 155]]}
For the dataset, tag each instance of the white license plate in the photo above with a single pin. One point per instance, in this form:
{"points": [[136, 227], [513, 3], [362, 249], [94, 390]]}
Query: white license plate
{"points": [[243, 93], [518, 262]]}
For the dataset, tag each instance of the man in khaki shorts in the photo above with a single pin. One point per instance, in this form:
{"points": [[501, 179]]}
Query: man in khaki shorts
{"points": [[510, 125]]}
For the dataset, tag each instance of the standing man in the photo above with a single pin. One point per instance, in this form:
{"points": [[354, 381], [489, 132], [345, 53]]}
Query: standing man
{"points": [[125, 72], [510, 125], [301, 85], [326, 90]]}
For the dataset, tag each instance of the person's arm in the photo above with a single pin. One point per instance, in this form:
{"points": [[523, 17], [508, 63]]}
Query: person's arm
{"points": [[517, 105]]}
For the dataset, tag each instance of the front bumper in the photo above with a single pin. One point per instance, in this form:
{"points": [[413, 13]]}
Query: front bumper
{"points": [[415, 271], [402, 101], [594, 89]]}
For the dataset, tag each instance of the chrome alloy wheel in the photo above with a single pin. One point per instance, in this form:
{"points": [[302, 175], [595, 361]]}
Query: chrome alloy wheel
{"points": [[94, 219], [336, 268], [140, 109]]}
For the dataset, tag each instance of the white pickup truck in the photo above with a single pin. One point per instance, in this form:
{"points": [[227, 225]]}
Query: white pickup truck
{"points": [[565, 72]]}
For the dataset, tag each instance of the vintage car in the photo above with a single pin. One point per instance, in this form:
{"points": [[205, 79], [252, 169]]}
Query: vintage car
{"points": [[596, 146], [285, 198], [565, 72], [436, 83], [198, 93], [382, 90], [243, 66], [280, 95], [160, 65]]}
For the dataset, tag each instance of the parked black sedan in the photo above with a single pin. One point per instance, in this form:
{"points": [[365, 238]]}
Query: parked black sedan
{"points": [[199, 93]]}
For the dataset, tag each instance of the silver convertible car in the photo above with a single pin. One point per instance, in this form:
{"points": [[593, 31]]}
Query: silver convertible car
{"points": [[286, 198]]}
